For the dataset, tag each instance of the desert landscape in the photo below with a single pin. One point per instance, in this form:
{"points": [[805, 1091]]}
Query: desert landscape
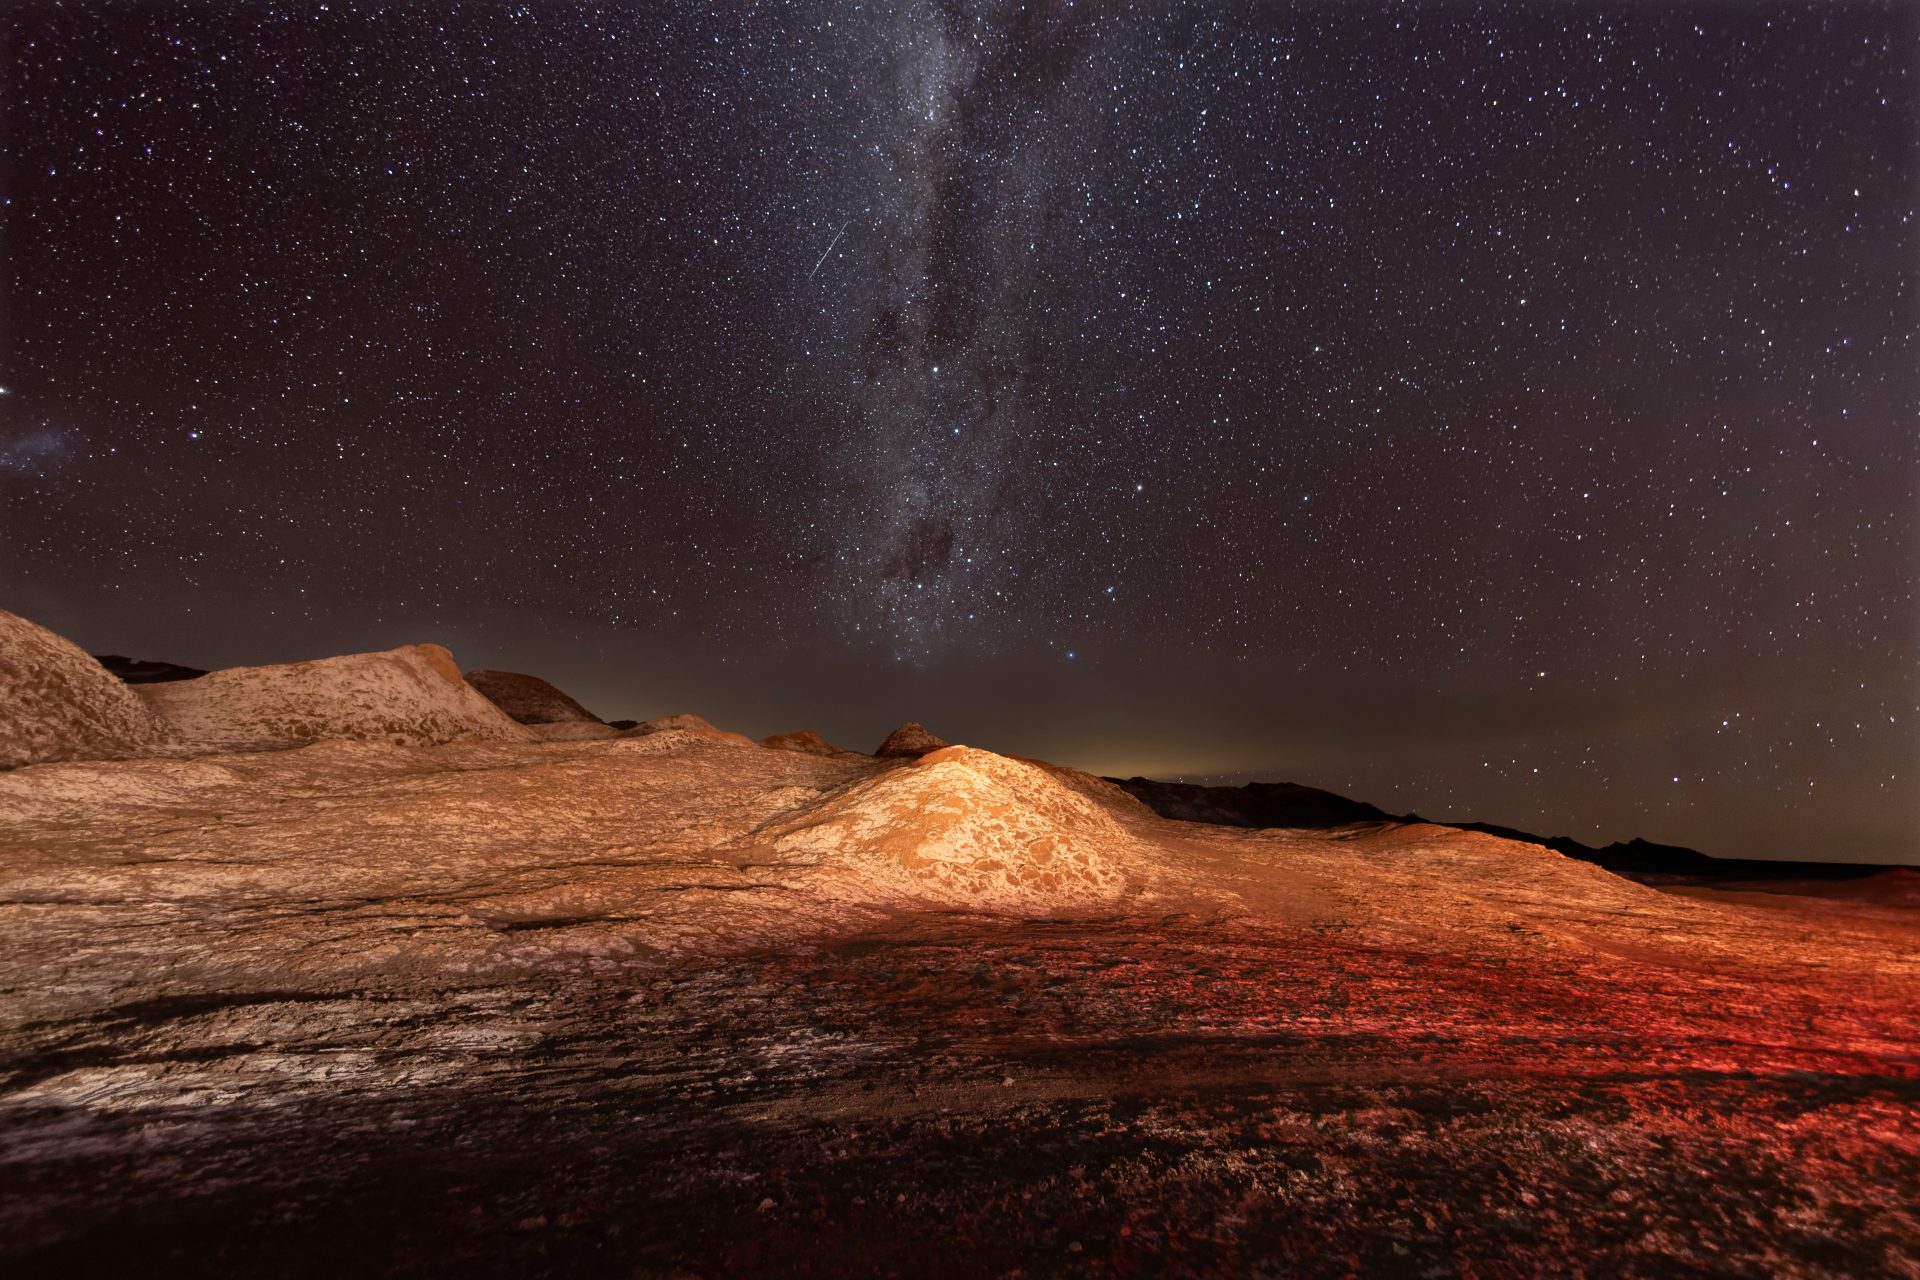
{"points": [[959, 638], [360, 965]]}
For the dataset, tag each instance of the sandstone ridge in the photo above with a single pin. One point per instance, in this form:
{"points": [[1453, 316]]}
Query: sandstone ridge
{"points": [[58, 703], [411, 696]]}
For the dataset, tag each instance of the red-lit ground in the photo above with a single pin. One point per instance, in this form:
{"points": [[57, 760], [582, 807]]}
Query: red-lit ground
{"points": [[586, 1009]]}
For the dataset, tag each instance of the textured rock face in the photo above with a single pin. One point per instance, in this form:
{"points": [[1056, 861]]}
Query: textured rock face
{"points": [[910, 739], [413, 696], [685, 725], [58, 703], [570, 731], [970, 828], [529, 699], [806, 742]]}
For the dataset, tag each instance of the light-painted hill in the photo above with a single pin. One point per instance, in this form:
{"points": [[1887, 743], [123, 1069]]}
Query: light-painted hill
{"points": [[58, 703], [412, 696], [685, 723], [964, 827]]}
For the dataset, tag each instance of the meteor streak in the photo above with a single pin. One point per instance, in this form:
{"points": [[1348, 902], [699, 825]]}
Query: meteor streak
{"points": [[829, 249]]}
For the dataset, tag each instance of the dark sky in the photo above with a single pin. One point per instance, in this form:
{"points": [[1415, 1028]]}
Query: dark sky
{"points": [[1501, 413]]}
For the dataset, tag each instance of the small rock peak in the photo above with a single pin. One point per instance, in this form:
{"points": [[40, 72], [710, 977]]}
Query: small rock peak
{"points": [[910, 739], [966, 827], [529, 699], [682, 728], [436, 658], [804, 741]]}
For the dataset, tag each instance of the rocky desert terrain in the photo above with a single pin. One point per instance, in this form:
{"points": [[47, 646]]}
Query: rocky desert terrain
{"points": [[340, 969]]}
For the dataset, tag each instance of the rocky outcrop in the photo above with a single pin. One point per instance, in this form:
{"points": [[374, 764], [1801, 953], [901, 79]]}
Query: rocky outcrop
{"points": [[910, 739], [970, 828], [58, 703], [687, 724], [529, 699], [806, 742], [412, 696]]}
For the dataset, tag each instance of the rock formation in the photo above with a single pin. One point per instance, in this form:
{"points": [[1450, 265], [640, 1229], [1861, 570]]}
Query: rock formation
{"points": [[970, 828], [805, 741], [412, 696], [685, 723], [58, 703], [910, 739], [529, 699]]}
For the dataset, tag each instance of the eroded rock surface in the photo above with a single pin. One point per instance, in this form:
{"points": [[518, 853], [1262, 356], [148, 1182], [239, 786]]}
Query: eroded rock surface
{"points": [[58, 703], [910, 739], [529, 699], [970, 829], [804, 740], [413, 696], [680, 1004], [686, 722]]}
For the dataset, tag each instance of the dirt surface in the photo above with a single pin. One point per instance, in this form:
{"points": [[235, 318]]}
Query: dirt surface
{"points": [[678, 1005]]}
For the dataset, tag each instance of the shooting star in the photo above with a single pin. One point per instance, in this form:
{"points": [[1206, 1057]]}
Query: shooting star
{"points": [[829, 249]]}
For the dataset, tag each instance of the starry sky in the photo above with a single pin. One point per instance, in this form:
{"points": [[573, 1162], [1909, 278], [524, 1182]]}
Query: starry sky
{"points": [[1500, 412]]}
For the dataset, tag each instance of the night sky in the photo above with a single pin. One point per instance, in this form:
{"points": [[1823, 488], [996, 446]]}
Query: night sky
{"points": [[1502, 413]]}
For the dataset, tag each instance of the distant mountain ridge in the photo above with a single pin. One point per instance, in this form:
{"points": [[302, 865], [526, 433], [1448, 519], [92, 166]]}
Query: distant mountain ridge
{"points": [[145, 671], [1288, 804], [1257, 804], [530, 699]]}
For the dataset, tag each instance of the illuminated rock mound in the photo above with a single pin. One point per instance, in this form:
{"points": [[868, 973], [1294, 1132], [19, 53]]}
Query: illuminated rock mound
{"points": [[806, 742], [968, 828], [529, 699], [660, 724], [686, 724], [412, 696], [58, 703], [910, 739]]}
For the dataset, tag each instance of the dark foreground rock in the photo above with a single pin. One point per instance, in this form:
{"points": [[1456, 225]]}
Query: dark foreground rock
{"points": [[1133, 1097]]}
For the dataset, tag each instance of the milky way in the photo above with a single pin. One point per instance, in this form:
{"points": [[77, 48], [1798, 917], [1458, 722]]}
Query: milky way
{"points": [[969, 122], [1502, 413]]}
